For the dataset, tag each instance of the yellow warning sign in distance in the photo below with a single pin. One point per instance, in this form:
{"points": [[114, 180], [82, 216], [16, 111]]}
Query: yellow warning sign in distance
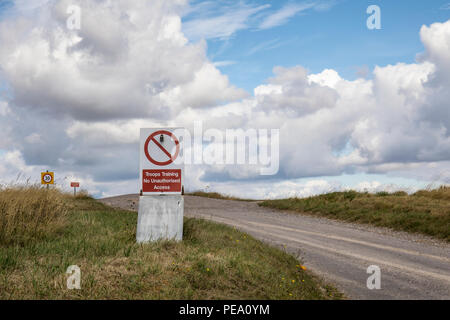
{"points": [[47, 178]]}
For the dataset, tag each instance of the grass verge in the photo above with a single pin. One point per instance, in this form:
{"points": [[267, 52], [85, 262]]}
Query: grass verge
{"points": [[216, 195], [426, 211], [213, 262]]}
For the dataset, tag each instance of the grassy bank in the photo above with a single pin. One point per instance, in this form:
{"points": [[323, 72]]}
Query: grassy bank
{"points": [[216, 195], [426, 211], [213, 262]]}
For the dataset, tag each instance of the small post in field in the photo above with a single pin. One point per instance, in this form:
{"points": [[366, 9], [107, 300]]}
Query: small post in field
{"points": [[75, 185]]}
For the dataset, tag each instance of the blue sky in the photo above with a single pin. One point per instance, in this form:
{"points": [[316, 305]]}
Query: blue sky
{"points": [[334, 37], [4, 4]]}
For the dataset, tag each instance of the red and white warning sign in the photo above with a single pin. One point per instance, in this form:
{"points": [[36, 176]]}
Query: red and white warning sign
{"points": [[161, 168]]}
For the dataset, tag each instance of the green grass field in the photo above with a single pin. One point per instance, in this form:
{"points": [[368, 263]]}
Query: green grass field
{"points": [[426, 211], [213, 262]]}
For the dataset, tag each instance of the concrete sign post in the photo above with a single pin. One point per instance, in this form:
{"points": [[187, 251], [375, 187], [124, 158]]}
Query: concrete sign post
{"points": [[161, 204]]}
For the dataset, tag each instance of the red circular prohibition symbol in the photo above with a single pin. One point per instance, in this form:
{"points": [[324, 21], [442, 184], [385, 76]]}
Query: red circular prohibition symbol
{"points": [[152, 138]]}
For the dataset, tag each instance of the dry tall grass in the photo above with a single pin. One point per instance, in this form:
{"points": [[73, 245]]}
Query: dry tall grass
{"points": [[441, 193], [30, 212]]}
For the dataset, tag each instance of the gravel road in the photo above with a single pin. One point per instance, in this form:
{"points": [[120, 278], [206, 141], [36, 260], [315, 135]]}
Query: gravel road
{"points": [[412, 266]]}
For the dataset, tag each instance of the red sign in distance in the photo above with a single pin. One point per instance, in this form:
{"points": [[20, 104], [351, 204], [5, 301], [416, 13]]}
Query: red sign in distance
{"points": [[75, 184], [161, 180]]}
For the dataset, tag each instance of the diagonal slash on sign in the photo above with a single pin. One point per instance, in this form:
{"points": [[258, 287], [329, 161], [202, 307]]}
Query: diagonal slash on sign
{"points": [[162, 148]]}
